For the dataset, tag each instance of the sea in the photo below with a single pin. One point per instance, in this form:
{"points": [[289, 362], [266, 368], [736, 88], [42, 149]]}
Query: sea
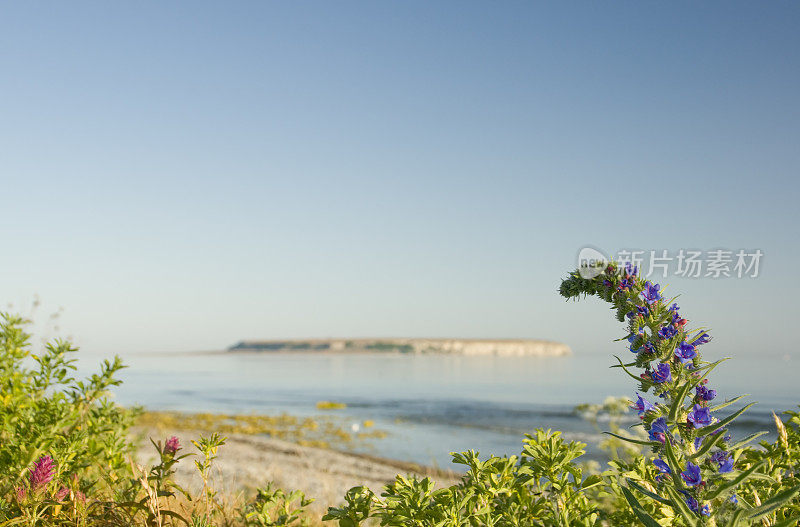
{"points": [[430, 405]]}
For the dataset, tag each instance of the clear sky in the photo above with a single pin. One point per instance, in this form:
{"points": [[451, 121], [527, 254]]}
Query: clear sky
{"points": [[183, 175]]}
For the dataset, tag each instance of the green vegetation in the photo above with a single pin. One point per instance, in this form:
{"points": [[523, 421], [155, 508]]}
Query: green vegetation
{"points": [[321, 432], [330, 405], [390, 346], [66, 452]]}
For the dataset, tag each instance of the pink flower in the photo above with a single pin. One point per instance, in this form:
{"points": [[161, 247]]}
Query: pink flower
{"points": [[62, 494], [42, 473], [21, 493], [172, 446]]}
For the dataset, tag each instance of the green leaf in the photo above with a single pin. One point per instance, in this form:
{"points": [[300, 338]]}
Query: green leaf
{"points": [[640, 513], [623, 366], [731, 484], [789, 522], [773, 504], [716, 426], [708, 444], [680, 506], [677, 404], [708, 368], [728, 403], [636, 441], [647, 493], [673, 462], [737, 517], [746, 440]]}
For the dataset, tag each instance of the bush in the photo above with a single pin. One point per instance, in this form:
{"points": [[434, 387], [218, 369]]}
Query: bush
{"points": [[66, 452]]}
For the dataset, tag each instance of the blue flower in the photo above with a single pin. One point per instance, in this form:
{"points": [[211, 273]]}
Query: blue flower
{"points": [[658, 430], [692, 475], [699, 417], [724, 460], [733, 499], [638, 311], [692, 503], [705, 511], [667, 332], [702, 338], [674, 308], [662, 373], [662, 466], [630, 269], [650, 293], [704, 394], [685, 352], [642, 405], [626, 284]]}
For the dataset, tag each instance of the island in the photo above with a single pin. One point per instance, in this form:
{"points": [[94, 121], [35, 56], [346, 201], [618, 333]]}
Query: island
{"points": [[471, 347]]}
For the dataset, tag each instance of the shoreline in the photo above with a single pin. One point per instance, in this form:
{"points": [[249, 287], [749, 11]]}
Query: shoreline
{"points": [[247, 462]]}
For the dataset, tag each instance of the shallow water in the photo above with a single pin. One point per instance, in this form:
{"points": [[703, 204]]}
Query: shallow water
{"points": [[430, 404]]}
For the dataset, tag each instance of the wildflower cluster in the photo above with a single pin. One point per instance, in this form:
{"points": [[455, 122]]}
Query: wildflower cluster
{"points": [[695, 468], [66, 454]]}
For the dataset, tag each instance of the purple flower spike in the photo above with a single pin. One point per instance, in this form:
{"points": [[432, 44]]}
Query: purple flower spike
{"points": [[662, 373], [724, 460], [702, 338], [642, 405], [699, 417], [685, 352], [662, 466], [692, 475], [171, 446], [658, 430], [667, 332], [650, 292], [704, 393], [42, 473]]}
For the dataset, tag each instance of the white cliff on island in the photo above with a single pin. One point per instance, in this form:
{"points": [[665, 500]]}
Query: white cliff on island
{"points": [[472, 347]]}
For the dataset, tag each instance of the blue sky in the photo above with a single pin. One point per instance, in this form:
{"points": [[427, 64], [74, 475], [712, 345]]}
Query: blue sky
{"points": [[179, 176]]}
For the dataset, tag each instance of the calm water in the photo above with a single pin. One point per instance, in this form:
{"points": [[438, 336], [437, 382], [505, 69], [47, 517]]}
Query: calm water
{"points": [[430, 404]]}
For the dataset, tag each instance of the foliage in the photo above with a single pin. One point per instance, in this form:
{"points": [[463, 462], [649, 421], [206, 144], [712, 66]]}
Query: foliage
{"points": [[66, 457], [66, 453], [678, 466]]}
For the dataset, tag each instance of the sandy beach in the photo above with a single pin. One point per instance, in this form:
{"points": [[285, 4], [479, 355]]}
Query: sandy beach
{"points": [[246, 462]]}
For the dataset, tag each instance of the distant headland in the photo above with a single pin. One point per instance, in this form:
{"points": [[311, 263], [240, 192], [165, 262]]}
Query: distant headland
{"points": [[471, 347]]}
